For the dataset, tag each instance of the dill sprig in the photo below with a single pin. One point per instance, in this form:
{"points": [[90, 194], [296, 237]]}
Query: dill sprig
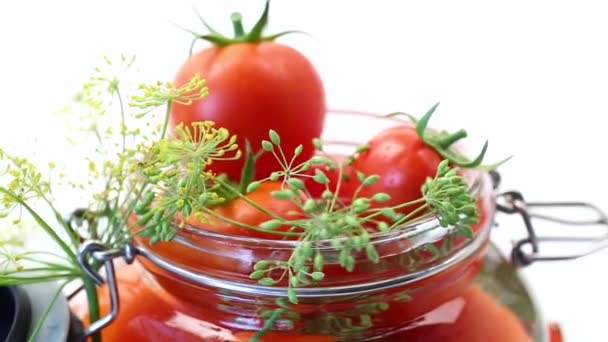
{"points": [[116, 183], [348, 227], [182, 184]]}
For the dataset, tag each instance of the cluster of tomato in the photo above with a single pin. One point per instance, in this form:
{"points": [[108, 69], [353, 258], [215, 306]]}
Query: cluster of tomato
{"points": [[256, 84]]}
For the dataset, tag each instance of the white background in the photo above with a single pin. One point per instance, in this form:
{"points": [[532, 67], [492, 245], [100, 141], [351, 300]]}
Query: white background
{"points": [[531, 76]]}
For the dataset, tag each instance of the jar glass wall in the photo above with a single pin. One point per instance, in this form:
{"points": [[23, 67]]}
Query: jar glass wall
{"points": [[430, 284]]}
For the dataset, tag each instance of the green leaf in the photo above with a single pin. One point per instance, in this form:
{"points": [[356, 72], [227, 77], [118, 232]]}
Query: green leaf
{"points": [[365, 320], [143, 220], [271, 224], [317, 160], [266, 314], [295, 183], [267, 282], [187, 209], [316, 142], [261, 265], [465, 230], [298, 150], [424, 121], [320, 177], [494, 166], [141, 209], [381, 197], [383, 226], [275, 176], [291, 294], [253, 186], [372, 254], [283, 194], [148, 198], [352, 221], [281, 302], [433, 249], [248, 172], [257, 274], [389, 213], [362, 148], [371, 180], [267, 146], [361, 176], [260, 25], [294, 281], [274, 137], [309, 205], [318, 261], [360, 205], [317, 275]]}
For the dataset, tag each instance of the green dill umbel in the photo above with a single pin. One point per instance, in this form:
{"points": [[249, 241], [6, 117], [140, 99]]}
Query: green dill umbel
{"points": [[148, 180], [347, 226]]}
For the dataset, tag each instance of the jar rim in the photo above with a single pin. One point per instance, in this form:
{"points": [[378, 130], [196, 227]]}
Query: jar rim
{"points": [[477, 179]]}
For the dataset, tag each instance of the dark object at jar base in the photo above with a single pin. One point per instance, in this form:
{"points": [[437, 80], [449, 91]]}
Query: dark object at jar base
{"points": [[15, 315], [22, 307]]}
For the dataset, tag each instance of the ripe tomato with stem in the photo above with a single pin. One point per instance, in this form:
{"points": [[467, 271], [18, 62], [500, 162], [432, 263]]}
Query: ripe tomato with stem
{"points": [[255, 84], [404, 157]]}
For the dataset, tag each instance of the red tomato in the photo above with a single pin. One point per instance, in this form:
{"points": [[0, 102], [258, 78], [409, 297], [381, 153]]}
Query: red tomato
{"points": [[403, 162], [240, 210], [555, 333], [256, 85], [481, 318]]}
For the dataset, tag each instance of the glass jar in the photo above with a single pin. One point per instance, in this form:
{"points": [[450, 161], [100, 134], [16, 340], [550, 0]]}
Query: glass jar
{"points": [[431, 284]]}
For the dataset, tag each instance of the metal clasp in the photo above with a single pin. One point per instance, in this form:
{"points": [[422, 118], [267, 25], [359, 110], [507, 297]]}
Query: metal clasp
{"points": [[95, 252], [512, 202]]}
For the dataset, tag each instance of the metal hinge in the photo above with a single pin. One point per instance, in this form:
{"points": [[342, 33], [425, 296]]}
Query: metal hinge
{"points": [[530, 249]]}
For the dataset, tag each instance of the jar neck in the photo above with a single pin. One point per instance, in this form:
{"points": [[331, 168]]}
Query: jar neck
{"points": [[406, 255], [395, 276]]}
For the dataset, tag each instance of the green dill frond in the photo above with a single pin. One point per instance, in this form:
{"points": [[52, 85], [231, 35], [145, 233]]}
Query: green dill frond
{"points": [[178, 170], [23, 181], [161, 93]]}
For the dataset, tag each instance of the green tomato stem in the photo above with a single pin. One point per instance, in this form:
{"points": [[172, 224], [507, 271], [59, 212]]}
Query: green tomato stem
{"points": [[448, 140], [93, 301], [237, 25], [254, 35]]}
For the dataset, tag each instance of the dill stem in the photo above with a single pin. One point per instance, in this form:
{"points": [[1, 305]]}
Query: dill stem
{"points": [[93, 302], [166, 123], [248, 200], [407, 217], [123, 122], [244, 225], [42, 223]]}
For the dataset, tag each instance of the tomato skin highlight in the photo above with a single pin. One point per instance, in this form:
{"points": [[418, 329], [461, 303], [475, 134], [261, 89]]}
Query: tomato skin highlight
{"points": [[255, 87], [403, 162]]}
